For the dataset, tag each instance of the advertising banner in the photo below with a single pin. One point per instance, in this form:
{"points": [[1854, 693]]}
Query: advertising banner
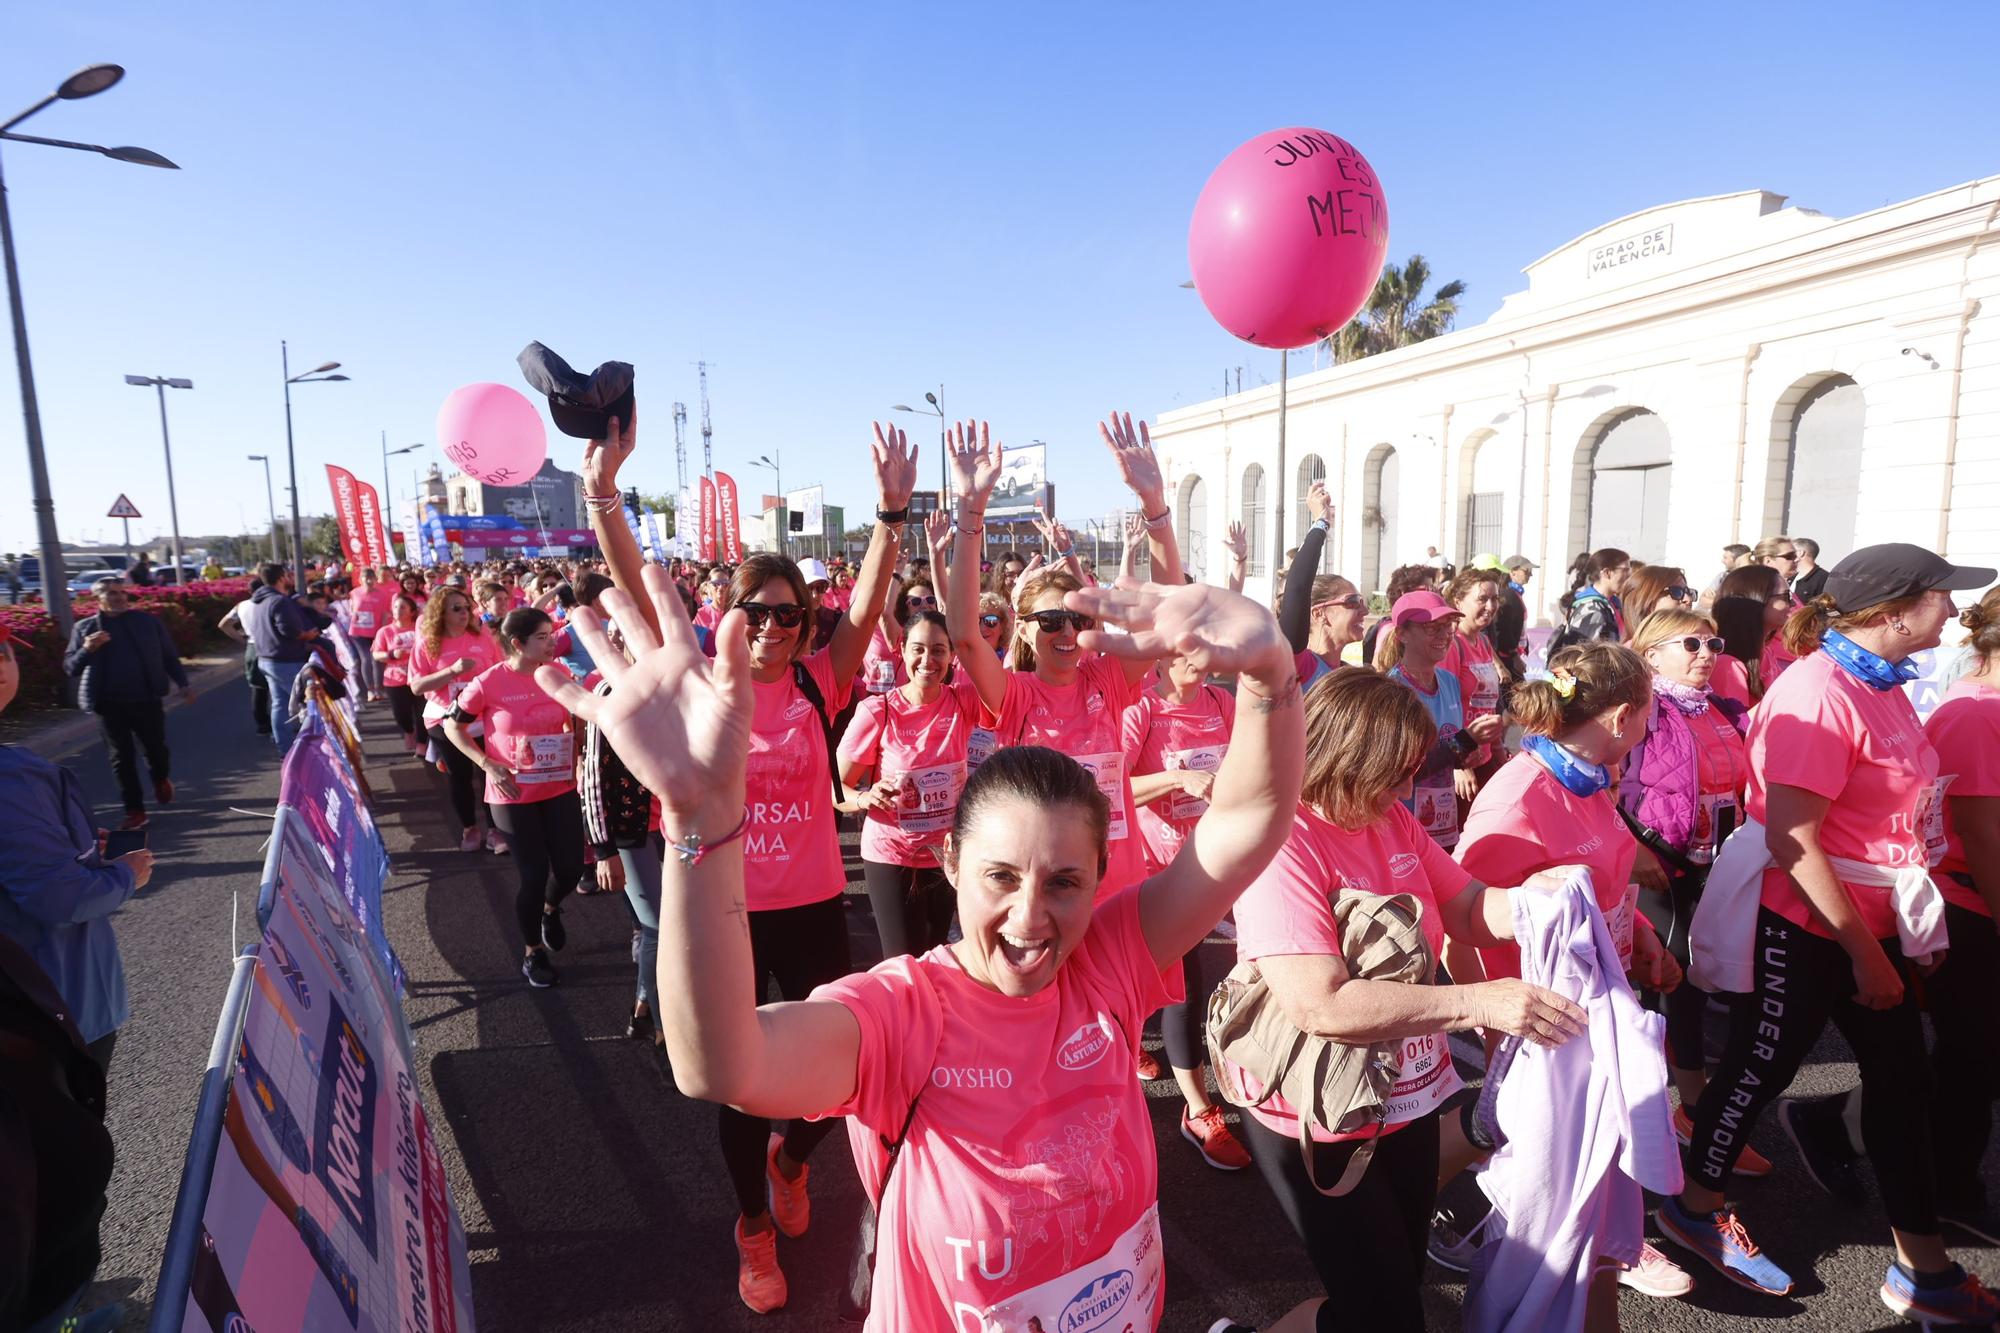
{"points": [[730, 518], [354, 541], [810, 505], [687, 519], [437, 547], [653, 537], [706, 549], [1023, 480], [516, 539], [320, 786]]}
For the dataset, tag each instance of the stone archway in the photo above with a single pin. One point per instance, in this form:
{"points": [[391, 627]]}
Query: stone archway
{"points": [[1381, 486], [1624, 467], [1814, 477], [1191, 521]]}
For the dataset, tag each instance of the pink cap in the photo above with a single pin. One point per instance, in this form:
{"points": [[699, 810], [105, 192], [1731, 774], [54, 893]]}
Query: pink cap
{"points": [[1420, 608]]}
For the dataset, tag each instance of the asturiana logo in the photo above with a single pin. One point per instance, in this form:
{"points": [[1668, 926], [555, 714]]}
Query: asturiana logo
{"points": [[1085, 1046], [1097, 1303], [1403, 864]]}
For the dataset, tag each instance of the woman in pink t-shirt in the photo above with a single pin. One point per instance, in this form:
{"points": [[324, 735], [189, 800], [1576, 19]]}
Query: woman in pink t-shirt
{"points": [[792, 877], [1367, 737], [1965, 994], [1840, 768], [452, 647], [395, 639], [1024, 1184], [529, 758], [1174, 739], [368, 612], [905, 754], [1059, 694]]}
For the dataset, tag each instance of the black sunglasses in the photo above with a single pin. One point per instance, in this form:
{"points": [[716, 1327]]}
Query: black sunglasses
{"points": [[990, 620], [1692, 644], [1052, 622], [922, 601], [787, 614], [1680, 592]]}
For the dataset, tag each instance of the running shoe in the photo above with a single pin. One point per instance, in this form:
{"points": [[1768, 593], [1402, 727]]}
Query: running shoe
{"points": [[1952, 1297], [163, 790], [1231, 1326], [1750, 1163], [537, 968], [468, 841], [1656, 1275], [1452, 1247], [1210, 1135], [1721, 1239], [1817, 1131], [639, 1027], [1149, 1066], [759, 1280], [554, 935], [134, 819], [1970, 1213], [496, 842], [790, 1208]]}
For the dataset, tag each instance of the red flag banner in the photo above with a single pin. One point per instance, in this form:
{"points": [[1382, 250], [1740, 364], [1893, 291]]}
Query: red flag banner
{"points": [[373, 526], [731, 518], [347, 513], [707, 519]]}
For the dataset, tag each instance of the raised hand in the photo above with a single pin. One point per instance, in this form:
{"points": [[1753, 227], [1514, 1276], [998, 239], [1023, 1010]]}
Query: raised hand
{"points": [[937, 533], [679, 720], [975, 463], [602, 458], [1318, 503], [1237, 543], [1220, 632], [1133, 452], [1055, 537], [895, 460], [1135, 541]]}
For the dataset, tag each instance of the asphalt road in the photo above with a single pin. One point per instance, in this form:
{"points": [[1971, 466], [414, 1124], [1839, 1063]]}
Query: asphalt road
{"points": [[591, 1191]]}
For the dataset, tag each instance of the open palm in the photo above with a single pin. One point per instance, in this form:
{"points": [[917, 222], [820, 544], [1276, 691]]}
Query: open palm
{"points": [[975, 461], [1221, 632]]}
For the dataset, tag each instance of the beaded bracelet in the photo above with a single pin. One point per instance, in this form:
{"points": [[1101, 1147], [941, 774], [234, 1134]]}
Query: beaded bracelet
{"points": [[692, 849]]}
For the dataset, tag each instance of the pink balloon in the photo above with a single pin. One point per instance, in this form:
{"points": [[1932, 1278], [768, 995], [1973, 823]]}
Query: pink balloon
{"points": [[1288, 237], [493, 433]]}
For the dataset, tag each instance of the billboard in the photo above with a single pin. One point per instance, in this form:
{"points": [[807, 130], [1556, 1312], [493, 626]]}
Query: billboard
{"points": [[810, 506], [1023, 480]]}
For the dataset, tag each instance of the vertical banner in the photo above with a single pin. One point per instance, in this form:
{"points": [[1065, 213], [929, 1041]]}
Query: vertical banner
{"points": [[630, 509], [731, 518], [438, 549], [653, 537], [374, 527], [707, 543], [347, 513]]}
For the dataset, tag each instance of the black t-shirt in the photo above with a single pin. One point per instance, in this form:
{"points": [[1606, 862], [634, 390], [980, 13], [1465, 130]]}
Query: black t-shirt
{"points": [[1809, 586]]}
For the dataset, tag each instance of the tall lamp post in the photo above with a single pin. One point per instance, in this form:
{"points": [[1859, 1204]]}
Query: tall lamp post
{"points": [[778, 485], [166, 442], [265, 459], [388, 502], [936, 409], [86, 82], [317, 375]]}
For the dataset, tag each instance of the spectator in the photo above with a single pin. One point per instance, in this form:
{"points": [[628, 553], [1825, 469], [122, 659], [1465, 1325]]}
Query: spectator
{"points": [[236, 624], [124, 660], [1510, 623], [140, 573], [283, 630], [211, 569], [1811, 578]]}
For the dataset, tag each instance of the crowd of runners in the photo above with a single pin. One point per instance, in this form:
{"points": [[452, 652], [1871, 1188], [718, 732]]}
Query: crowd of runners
{"points": [[1701, 801]]}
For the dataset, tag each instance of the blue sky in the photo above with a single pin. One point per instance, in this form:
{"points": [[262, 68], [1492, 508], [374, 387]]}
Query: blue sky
{"points": [[836, 206]]}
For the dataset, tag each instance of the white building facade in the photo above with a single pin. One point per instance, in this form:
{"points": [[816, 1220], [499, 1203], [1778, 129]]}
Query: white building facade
{"points": [[1701, 373]]}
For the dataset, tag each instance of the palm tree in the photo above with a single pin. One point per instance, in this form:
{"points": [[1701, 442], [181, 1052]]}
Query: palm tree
{"points": [[1396, 314]]}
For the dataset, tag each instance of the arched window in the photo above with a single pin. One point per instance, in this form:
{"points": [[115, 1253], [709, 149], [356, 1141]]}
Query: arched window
{"points": [[1822, 488], [1484, 467], [1191, 523], [1312, 468], [1381, 477], [1253, 517], [1626, 472]]}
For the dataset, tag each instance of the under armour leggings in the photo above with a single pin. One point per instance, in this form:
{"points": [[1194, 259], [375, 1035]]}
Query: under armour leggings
{"points": [[1686, 1006], [1803, 981], [546, 841], [799, 948]]}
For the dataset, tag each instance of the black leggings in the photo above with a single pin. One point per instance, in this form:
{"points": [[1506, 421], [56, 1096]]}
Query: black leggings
{"points": [[801, 947], [1181, 1024], [1367, 1245], [546, 839], [1671, 912], [913, 906], [1964, 998], [1803, 980], [463, 777], [405, 707]]}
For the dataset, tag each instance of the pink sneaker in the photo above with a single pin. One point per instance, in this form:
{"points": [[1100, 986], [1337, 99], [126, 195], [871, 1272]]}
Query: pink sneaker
{"points": [[1657, 1276], [469, 840], [496, 842]]}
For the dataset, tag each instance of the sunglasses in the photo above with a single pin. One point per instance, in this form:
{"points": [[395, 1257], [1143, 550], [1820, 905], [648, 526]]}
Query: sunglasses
{"points": [[1052, 622], [1693, 644], [1354, 601], [787, 614], [1680, 592], [990, 620], [1787, 555], [922, 601]]}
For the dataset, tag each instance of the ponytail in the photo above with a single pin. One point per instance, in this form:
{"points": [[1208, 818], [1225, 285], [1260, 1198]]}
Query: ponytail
{"points": [[1586, 679], [1802, 632]]}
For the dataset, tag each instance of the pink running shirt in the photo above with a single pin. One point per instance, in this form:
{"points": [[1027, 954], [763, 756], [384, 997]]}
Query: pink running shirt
{"points": [[1730, 680], [483, 649], [791, 850], [1966, 731], [526, 730], [927, 743], [372, 610], [1030, 1166], [1287, 911], [882, 668], [1159, 736], [1822, 730], [398, 644]]}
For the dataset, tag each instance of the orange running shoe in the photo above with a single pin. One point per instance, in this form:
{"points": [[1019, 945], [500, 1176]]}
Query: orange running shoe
{"points": [[1752, 1163], [1149, 1066], [790, 1208], [1210, 1133], [759, 1280]]}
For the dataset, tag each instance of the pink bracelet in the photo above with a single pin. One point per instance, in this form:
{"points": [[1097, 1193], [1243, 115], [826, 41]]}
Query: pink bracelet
{"points": [[692, 849]]}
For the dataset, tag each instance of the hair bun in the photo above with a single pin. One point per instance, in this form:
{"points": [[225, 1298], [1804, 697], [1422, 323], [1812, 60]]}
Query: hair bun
{"points": [[1974, 618]]}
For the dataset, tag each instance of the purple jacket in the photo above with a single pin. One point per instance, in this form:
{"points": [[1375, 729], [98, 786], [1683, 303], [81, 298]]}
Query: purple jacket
{"points": [[1663, 775]]}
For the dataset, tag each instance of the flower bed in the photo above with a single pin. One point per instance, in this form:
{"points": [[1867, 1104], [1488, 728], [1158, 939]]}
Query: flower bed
{"points": [[189, 613]]}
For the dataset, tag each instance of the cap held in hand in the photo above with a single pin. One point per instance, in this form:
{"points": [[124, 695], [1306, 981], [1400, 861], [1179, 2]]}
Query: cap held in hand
{"points": [[581, 405]]}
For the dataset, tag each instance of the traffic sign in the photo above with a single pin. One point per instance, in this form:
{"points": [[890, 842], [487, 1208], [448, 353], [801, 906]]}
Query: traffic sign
{"points": [[123, 508]]}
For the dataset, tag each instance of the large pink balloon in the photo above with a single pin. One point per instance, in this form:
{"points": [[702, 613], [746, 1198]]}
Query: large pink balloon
{"points": [[1288, 237], [493, 433]]}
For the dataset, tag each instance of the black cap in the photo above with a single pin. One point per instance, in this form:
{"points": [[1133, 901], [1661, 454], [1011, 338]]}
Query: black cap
{"points": [[581, 406], [1896, 570]]}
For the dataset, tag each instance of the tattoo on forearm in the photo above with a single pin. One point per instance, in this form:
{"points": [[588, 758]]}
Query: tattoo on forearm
{"points": [[1284, 698]]}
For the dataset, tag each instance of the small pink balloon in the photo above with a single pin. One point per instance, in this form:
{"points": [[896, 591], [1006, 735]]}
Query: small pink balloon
{"points": [[493, 433], [1288, 237]]}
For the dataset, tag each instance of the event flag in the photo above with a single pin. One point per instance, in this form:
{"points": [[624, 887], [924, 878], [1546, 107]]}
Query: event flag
{"points": [[653, 537], [358, 511], [731, 518], [707, 543]]}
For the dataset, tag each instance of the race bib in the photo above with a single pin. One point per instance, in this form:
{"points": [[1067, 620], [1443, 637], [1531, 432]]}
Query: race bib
{"points": [[882, 675], [1424, 1079], [1108, 771], [1121, 1289], [1436, 808], [1486, 688], [1930, 817], [1619, 922], [980, 747], [1201, 759], [364, 620], [544, 758], [929, 797], [1714, 816]]}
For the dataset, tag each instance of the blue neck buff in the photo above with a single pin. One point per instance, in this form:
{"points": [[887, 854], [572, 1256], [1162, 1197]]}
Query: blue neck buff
{"points": [[1875, 672], [1585, 593], [1576, 773]]}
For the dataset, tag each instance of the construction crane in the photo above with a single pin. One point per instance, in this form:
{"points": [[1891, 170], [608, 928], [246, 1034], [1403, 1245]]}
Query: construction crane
{"points": [[707, 432], [680, 450]]}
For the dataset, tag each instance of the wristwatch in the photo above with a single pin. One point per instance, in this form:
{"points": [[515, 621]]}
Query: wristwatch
{"points": [[893, 515]]}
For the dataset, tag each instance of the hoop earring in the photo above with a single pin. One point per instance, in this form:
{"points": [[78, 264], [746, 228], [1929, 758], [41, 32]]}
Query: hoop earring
{"points": [[1899, 627]]}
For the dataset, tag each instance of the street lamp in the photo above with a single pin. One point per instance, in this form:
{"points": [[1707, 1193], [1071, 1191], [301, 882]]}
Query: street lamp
{"points": [[388, 502], [935, 409], [86, 82], [265, 459], [777, 484], [317, 375], [173, 504]]}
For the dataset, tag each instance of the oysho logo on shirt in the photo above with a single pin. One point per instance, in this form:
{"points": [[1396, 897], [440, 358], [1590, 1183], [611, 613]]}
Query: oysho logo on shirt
{"points": [[1587, 848], [1403, 864], [1085, 1046]]}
